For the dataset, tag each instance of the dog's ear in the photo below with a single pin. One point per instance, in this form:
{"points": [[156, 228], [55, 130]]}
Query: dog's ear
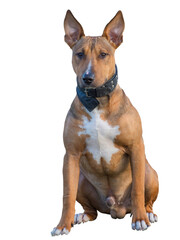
{"points": [[114, 29], [73, 29]]}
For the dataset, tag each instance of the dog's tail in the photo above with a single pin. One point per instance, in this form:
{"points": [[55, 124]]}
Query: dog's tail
{"points": [[110, 201]]}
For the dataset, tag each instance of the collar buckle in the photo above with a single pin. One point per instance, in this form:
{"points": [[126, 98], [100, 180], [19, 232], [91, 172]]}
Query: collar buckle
{"points": [[90, 91], [86, 92]]}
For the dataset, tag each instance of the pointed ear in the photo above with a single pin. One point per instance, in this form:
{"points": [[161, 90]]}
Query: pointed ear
{"points": [[114, 29], [73, 29]]}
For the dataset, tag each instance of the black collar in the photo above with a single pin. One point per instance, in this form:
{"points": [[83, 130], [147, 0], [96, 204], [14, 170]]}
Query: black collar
{"points": [[88, 95]]}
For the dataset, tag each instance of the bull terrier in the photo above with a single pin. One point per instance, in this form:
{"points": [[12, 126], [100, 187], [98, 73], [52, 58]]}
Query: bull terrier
{"points": [[105, 168]]}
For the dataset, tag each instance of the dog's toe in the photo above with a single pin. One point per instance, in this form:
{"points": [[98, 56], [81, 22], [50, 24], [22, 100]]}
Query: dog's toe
{"points": [[55, 232], [64, 231], [143, 225], [138, 225]]}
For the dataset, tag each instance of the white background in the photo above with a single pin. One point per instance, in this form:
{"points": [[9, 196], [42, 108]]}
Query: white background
{"points": [[37, 86]]}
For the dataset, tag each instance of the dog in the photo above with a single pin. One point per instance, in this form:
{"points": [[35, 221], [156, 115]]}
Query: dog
{"points": [[105, 168]]}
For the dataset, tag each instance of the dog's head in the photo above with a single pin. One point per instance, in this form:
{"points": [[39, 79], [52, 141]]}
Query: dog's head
{"points": [[93, 57]]}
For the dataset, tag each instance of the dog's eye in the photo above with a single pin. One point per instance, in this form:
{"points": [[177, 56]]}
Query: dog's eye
{"points": [[80, 54], [103, 55]]}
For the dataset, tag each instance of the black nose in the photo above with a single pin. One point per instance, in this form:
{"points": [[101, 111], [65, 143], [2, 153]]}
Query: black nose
{"points": [[88, 78]]}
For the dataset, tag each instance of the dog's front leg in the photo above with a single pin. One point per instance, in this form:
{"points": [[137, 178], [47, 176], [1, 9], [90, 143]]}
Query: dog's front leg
{"points": [[70, 185], [140, 220]]}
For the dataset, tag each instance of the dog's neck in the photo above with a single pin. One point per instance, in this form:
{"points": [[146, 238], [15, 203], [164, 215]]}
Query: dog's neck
{"points": [[110, 101]]}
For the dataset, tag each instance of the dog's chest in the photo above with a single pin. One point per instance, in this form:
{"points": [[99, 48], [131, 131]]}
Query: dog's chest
{"points": [[100, 136]]}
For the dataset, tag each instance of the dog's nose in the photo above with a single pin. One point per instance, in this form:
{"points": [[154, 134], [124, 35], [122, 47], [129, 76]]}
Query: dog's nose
{"points": [[88, 78]]}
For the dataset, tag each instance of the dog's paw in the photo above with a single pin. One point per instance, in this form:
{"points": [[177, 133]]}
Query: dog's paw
{"points": [[140, 220], [56, 231], [140, 225], [81, 218], [64, 227], [152, 217]]}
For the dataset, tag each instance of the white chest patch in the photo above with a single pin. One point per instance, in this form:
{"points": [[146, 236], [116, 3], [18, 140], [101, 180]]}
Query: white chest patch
{"points": [[101, 135]]}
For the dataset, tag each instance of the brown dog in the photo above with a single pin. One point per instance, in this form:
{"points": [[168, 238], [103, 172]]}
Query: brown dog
{"points": [[105, 168]]}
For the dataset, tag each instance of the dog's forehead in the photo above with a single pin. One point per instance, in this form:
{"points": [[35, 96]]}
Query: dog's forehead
{"points": [[92, 43]]}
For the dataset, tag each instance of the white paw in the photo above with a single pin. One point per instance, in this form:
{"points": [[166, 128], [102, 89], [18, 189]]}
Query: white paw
{"points": [[81, 217], [152, 217], [56, 232], [139, 225]]}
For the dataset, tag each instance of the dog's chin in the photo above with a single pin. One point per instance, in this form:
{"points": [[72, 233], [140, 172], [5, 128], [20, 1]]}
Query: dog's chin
{"points": [[87, 84]]}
